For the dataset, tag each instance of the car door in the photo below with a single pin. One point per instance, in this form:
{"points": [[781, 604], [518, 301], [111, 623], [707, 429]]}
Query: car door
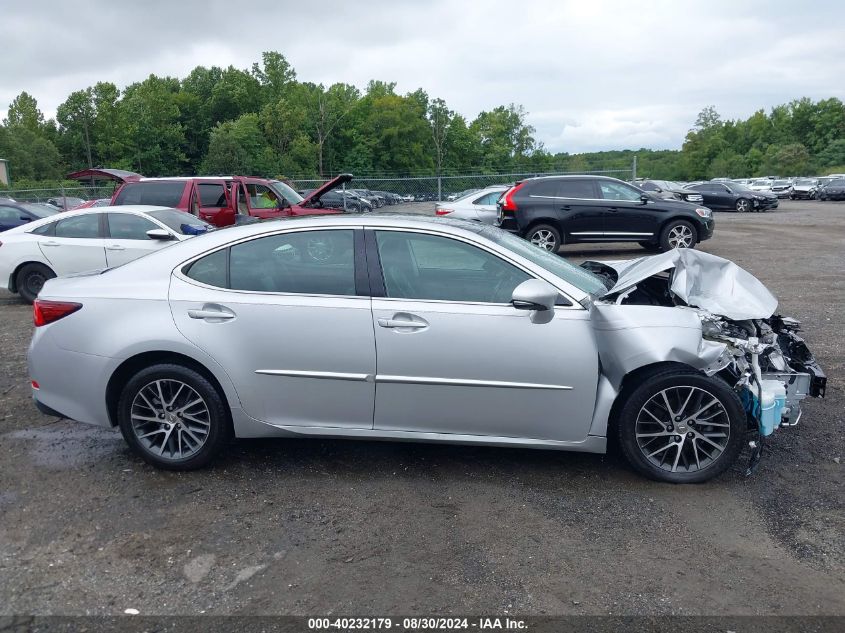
{"points": [[75, 244], [263, 202], [485, 207], [127, 239], [628, 217], [288, 317], [723, 197], [454, 356], [576, 204], [210, 201]]}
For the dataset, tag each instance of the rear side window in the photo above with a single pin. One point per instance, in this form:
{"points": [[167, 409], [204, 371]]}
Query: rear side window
{"points": [[159, 194], [577, 189], [80, 226], [211, 195], [211, 269], [545, 188], [305, 262], [490, 198]]}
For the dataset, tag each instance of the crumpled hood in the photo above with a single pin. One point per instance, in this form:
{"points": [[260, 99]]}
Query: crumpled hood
{"points": [[701, 280]]}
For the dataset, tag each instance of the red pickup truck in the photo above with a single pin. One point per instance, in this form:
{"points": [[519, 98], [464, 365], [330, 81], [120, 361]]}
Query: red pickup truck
{"points": [[218, 200]]}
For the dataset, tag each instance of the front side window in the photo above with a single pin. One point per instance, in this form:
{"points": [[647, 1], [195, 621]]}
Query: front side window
{"points": [[80, 226], [124, 226], [434, 268], [617, 191], [262, 197]]}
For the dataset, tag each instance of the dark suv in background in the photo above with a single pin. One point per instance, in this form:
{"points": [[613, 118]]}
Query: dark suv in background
{"points": [[555, 210]]}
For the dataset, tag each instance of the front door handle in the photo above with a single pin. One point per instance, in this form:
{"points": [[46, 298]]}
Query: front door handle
{"points": [[50, 243], [565, 207], [402, 323], [213, 313], [115, 247], [613, 209]]}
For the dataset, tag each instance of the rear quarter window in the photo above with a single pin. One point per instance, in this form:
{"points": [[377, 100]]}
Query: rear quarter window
{"points": [[159, 194]]}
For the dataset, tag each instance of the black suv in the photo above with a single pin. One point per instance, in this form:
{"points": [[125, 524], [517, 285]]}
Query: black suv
{"points": [[555, 210]]}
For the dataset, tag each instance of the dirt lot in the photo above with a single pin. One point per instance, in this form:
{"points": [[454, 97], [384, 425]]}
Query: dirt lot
{"points": [[315, 527]]}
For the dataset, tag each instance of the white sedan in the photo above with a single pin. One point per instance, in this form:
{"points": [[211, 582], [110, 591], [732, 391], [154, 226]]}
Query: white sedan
{"points": [[480, 205], [89, 239]]}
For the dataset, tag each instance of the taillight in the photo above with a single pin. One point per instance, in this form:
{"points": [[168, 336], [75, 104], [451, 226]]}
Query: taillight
{"points": [[44, 312], [507, 200], [442, 211]]}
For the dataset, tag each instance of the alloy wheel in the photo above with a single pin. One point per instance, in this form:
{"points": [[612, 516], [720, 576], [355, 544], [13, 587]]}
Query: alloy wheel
{"points": [[680, 236], [170, 419], [683, 429], [543, 238], [742, 206]]}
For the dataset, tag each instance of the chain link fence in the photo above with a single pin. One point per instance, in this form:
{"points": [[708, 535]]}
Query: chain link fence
{"points": [[60, 195], [434, 188]]}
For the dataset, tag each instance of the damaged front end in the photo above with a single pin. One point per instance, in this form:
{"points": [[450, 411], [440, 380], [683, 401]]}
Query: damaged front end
{"points": [[706, 312]]}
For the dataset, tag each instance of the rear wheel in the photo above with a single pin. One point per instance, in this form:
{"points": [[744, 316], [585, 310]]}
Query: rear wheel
{"points": [[544, 236], [743, 205], [678, 234], [681, 427], [173, 417], [31, 279]]}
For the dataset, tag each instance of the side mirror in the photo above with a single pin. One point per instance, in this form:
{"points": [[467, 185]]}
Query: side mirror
{"points": [[160, 234], [536, 296], [25, 218], [645, 198]]}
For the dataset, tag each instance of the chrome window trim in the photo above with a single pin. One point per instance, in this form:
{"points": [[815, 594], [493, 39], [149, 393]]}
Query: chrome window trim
{"points": [[567, 294], [179, 274]]}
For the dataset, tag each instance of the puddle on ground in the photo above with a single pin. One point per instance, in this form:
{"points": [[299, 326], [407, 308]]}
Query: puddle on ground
{"points": [[66, 444]]}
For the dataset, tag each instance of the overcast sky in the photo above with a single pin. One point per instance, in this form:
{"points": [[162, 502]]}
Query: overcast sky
{"points": [[593, 74]]}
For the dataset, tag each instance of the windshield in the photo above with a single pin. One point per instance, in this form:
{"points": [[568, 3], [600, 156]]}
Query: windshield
{"points": [[761, 183], [805, 181], [558, 266], [286, 192], [39, 210], [781, 183], [181, 222], [839, 182]]}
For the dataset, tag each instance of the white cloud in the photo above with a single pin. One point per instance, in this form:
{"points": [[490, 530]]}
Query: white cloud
{"points": [[593, 75]]}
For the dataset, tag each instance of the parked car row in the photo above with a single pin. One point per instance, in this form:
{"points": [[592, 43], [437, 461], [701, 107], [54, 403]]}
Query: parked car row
{"points": [[796, 188]]}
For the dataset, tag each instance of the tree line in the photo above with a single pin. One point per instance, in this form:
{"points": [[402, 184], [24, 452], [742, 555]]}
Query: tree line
{"points": [[264, 121]]}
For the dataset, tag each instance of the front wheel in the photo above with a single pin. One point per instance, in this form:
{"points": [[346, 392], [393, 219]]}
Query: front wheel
{"points": [[678, 234], [544, 236], [681, 426], [743, 205], [31, 279], [173, 417]]}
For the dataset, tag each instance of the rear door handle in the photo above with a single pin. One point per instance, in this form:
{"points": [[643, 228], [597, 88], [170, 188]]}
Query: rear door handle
{"points": [[399, 323], [50, 243], [115, 247], [211, 313], [565, 207], [613, 209]]}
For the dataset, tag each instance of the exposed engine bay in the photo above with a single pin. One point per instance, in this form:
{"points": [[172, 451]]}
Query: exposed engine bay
{"points": [[737, 334]]}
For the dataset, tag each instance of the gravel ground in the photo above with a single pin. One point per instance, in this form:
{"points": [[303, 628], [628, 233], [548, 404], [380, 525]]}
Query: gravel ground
{"points": [[316, 527]]}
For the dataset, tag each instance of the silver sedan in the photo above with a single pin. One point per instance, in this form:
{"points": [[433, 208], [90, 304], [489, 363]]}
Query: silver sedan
{"points": [[480, 205], [401, 328]]}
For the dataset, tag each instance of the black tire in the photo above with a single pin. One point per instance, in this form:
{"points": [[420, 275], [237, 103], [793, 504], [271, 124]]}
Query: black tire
{"points": [[677, 383], [650, 246], [219, 426], [744, 205], [30, 279], [678, 234], [544, 236]]}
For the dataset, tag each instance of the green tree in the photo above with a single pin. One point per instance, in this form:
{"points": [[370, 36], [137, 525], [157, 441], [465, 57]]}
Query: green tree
{"points": [[76, 120], [24, 112], [239, 147]]}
